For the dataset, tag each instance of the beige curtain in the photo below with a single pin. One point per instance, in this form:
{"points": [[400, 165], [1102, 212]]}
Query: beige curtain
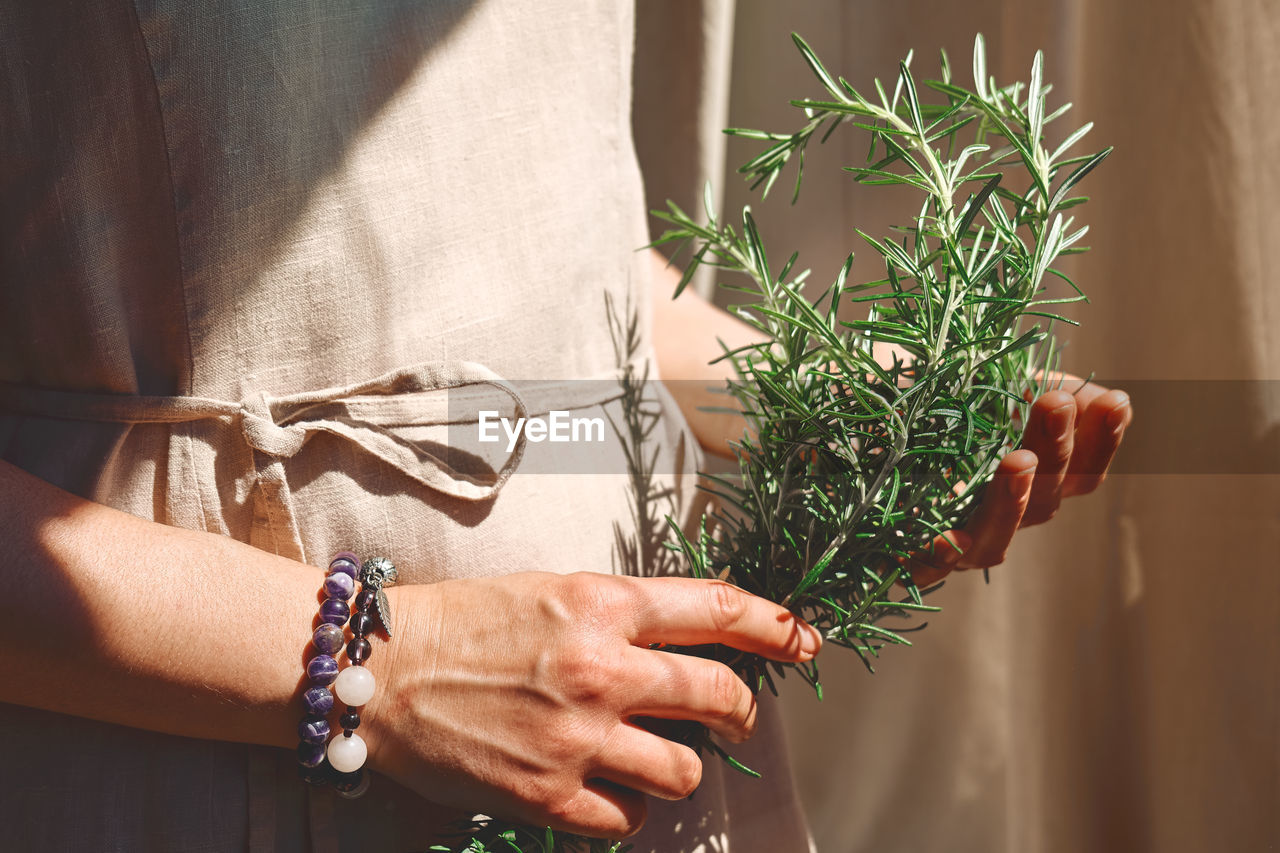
{"points": [[1115, 687], [681, 102]]}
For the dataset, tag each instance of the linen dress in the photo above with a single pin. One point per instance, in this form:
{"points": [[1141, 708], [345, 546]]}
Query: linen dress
{"points": [[252, 253]]}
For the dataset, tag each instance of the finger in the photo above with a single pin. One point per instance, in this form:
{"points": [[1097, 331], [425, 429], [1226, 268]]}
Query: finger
{"points": [[683, 687], [1098, 435], [1000, 513], [600, 809], [1050, 435], [1084, 391], [649, 764], [928, 567], [692, 612]]}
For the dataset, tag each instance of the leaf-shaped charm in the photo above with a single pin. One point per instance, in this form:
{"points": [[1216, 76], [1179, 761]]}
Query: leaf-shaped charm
{"points": [[384, 611]]}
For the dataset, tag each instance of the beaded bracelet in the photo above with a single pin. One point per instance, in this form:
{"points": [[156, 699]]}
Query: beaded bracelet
{"points": [[342, 763], [355, 685], [322, 669]]}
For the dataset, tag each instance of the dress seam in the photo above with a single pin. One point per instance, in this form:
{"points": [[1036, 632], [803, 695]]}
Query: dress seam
{"points": [[173, 193]]}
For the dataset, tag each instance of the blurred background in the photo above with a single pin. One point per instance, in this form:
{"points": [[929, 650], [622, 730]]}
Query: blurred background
{"points": [[1117, 684]]}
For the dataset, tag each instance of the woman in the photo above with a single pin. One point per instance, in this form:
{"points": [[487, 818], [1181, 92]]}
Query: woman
{"points": [[246, 249]]}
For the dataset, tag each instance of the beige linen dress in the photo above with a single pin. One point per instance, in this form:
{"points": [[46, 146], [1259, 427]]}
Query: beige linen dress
{"points": [[248, 249]]}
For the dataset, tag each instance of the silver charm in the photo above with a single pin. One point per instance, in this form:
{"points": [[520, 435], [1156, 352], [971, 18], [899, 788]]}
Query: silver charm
{"points": [[376, 573]]}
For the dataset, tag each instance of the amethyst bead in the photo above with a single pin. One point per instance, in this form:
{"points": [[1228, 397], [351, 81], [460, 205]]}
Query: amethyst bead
{"points": [[366, 598], [310, 754], [328, 639], [345, 557], [361, 623], [358, 650], [313, 730], [318, 775], [339, 585], [345, 567], [322, 670], [335, 611], [318, 701]]}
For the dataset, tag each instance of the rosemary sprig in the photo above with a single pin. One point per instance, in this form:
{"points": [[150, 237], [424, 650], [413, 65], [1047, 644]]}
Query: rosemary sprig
{"points": [[849, 465], [483, 835], [641, 552]]}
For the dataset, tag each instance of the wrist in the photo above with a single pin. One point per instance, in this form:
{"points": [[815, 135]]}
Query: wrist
{"points": [[408, 606]]}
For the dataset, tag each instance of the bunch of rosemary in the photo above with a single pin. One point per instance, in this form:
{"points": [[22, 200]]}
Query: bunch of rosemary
{"points": [[849, 465]]}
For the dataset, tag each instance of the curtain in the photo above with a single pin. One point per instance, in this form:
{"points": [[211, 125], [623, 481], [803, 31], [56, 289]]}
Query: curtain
{"points": [[1115, 685]]}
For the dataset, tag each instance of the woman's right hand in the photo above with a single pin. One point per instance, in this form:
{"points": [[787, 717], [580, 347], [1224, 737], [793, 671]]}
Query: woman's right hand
{"points": [[514, 696]]}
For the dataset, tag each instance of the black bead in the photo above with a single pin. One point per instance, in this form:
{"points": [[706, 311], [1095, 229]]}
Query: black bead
{"points": [[350, 720], [362, 624], [358, 650], [348, 781], [321, 775], [365, 598]]}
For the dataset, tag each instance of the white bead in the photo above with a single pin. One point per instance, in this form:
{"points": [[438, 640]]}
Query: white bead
{"points": [[355, 685], [347, 753]]}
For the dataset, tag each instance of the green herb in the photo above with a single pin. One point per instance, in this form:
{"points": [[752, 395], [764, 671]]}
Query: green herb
{"points": [[850, 466], [483, 835], [641, 552]]}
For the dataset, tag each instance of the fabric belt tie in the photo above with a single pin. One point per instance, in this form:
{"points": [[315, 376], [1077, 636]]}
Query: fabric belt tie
{"points": [[278, 427]]}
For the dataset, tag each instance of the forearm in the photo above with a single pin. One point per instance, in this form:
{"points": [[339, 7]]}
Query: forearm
{"points": [[687, 338], [128, 621]]}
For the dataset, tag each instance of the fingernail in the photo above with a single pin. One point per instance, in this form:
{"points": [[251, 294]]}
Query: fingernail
{"points": [[810, 639], [1021, 481], [1115, 418], [1058, 424]]}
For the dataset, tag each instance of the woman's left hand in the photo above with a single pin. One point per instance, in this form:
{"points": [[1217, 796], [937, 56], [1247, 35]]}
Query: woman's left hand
{"points": [[1067, 447]]}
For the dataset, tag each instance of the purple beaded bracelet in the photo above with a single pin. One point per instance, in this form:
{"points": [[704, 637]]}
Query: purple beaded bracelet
{"points": [[342, 762], [322, 669]]}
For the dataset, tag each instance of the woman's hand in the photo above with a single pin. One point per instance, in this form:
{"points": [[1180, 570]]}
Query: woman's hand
{"points": [[516, 695], [1067, 447]]}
